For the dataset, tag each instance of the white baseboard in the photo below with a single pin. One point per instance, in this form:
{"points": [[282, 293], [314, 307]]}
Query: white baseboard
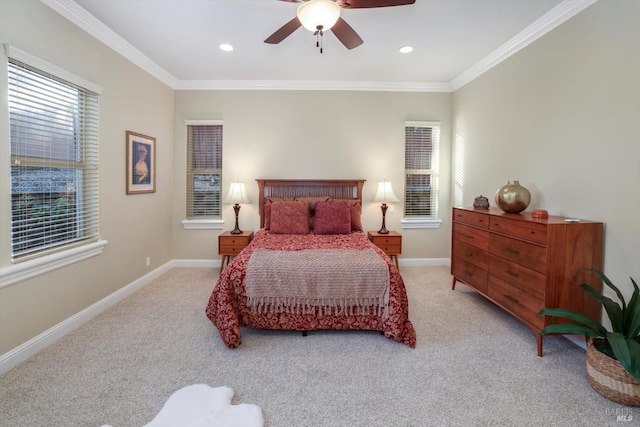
{"points": [[21, 353], [424, 262]]}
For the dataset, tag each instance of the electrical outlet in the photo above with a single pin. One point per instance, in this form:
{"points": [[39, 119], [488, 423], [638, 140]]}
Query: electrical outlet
{"points": [[148, 261], [392, 209]]}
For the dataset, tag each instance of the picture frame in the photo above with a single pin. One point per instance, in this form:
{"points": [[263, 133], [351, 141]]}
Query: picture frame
{"points": [[141, 163]]}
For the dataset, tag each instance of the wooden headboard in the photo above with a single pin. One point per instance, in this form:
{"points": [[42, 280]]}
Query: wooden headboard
{"points": [[336, 188]]}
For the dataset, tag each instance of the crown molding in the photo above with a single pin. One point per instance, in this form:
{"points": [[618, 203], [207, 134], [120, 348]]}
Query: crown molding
{"points": [[552, 19], [89, 23], [83, 19], [312, 85]]}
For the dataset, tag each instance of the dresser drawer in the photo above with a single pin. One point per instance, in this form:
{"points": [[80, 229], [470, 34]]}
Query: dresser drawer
{"points": [[520, 252], [521, 277], [518, 302], [526, 230], [470, 274], [470, 254], [472, 218], [471, 236]]}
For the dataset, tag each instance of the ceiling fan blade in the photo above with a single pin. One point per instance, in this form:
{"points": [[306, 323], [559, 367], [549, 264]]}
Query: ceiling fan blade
{"points": [[284, 31], [361, 4], [346, 34]]}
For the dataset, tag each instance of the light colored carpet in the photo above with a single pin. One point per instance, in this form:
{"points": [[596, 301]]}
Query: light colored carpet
{"points": [[473, 365]]}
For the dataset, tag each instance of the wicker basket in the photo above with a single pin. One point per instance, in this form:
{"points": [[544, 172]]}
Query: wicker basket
{"points": [[609, 378]]}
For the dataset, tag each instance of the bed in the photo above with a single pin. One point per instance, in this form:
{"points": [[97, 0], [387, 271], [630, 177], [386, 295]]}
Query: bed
{"points": [[310, 267]]}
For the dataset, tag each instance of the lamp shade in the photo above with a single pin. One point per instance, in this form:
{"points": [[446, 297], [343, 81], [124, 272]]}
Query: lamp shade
{"points": [[318, 13], [385, 193], [237, 193]]}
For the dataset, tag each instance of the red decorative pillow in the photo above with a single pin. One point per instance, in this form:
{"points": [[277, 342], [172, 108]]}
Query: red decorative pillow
{"points": [[267, 208], [267, 216], [356, 217], [332, 218], [289, 218], [356, 213]]}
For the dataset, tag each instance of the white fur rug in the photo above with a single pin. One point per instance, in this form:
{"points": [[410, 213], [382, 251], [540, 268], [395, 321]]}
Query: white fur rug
{"points": [[200, 405]]}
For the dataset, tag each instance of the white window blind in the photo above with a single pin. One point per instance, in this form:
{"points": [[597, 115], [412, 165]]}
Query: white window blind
{"points": [[54, 162], [421, 170], [204, 170]]}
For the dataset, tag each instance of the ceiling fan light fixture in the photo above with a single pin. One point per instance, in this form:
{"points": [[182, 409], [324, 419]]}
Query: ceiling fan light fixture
{"points": [[318, 14]]}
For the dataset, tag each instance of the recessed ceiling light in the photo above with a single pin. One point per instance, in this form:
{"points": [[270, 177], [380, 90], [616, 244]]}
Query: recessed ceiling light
{"points": [[226, 47], [406, 49]]}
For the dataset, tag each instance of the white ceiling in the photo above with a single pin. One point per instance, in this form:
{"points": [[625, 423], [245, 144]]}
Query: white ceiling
{"points": [[178, 41]]}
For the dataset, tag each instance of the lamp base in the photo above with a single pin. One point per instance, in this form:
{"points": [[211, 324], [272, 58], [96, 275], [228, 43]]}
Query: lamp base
{"points": [[236, 230], [383, 229]]}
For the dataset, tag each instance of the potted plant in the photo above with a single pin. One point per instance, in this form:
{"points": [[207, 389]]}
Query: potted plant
{"points": [[613, 357]]}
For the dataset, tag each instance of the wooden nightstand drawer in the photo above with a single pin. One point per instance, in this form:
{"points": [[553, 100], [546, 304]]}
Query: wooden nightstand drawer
{"points": [[390, 243], [230, 245]]}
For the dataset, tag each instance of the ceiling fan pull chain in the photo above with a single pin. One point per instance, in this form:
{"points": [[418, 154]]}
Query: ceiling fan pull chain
{"points": [[318, 33]]}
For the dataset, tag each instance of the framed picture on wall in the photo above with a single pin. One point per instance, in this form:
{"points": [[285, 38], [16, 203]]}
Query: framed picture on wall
{"points": [[141, 163]]}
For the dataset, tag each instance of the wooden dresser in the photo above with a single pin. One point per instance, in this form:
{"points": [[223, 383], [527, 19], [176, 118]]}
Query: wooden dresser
{"points": [[524, 264]]}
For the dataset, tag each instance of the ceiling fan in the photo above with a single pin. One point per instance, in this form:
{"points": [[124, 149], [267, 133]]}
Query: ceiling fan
{"points": [[324, 15]]}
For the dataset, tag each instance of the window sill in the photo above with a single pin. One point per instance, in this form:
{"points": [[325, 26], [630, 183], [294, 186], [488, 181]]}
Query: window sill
{"points": [[35, 267], [203, 224], [408, 223]]}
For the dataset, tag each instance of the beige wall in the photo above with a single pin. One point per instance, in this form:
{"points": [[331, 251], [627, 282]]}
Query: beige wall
{"points": [[312, 134], [135, 226], [563, 117]]}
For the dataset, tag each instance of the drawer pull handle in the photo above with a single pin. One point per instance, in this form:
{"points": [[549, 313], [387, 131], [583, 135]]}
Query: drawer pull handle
{"points": [[468, 236], [512, 299], [468, 253], [533, 232], [468, 273], [512, 251], [511, 273]]}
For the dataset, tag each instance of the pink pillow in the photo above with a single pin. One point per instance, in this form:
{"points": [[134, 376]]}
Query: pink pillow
{"points": [[356, 217], [289, 218], [268, 201], [332, 218], [356, 213]]}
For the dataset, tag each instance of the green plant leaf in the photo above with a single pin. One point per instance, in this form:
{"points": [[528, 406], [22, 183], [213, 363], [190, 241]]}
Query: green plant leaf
{"points": [[632, 315], [627, 352], [608, 282], [576, 317], [571, 328], [613, 309]]}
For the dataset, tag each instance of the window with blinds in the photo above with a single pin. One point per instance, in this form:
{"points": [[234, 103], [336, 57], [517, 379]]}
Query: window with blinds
{"points": [[54, 163], [421, 170], [204, 170]]}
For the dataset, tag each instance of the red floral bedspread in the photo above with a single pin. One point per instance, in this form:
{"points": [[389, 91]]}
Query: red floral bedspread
{"points": [[228, 310]]}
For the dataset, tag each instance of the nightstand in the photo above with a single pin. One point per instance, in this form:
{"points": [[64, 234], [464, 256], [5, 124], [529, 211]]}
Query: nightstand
{"points": [[390, 243], [231, 244]]}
